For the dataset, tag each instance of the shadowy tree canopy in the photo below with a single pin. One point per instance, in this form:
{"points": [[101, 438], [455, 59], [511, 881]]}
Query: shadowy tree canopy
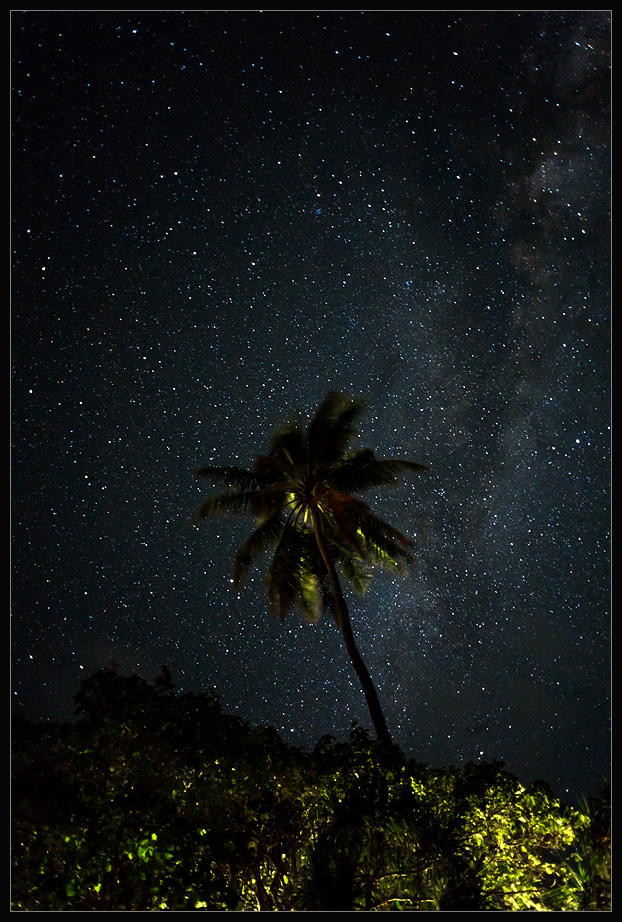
{"points": [[156, 800]]}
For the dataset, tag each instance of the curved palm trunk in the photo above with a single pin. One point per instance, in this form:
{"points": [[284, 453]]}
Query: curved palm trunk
{"points": [[342, 618]]}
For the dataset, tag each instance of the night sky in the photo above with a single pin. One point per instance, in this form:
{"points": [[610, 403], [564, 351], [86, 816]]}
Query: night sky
{"points": [[220, 216]]}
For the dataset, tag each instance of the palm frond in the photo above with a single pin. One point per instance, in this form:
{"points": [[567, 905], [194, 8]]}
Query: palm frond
{"points": [[376, 529], [355, 527], [363, 471], [223, 504], [264, 503], [332, 429], [353, 567], [289, 453], [293, 580], [337, 511], [384, 546], [232, 476], [265, 536]]}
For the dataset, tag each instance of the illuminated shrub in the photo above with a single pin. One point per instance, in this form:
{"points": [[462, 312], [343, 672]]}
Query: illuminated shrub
{"points": [[158, 801]]}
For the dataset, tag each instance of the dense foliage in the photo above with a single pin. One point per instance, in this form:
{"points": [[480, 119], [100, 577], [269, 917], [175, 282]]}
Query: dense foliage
{"points": [[155, 800]]}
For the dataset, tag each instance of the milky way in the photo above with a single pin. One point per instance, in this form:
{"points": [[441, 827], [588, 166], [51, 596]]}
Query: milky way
{"points": [[219, 217]]}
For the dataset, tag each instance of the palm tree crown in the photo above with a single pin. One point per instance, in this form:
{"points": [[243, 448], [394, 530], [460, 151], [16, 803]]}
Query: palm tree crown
{"points": [[302, 496]]}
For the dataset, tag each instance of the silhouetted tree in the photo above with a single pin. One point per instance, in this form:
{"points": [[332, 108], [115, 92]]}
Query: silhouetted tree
{"points": [[303, 496]]}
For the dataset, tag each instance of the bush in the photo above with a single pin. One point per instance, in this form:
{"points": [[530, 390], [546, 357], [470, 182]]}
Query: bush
{"points": [[155, 801]]}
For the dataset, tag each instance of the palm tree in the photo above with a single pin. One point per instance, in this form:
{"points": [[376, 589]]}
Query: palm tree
{"points": [[301, 495]]}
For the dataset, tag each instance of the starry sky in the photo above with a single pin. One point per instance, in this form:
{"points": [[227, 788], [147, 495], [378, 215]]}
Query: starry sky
{"points": [[219, 216]]}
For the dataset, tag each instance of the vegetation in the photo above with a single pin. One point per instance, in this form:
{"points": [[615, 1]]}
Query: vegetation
{"points": [[303, 494], [156, 800]]}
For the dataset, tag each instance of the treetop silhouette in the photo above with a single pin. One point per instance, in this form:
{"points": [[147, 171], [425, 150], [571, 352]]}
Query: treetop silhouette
{"points": [[304, 497]]}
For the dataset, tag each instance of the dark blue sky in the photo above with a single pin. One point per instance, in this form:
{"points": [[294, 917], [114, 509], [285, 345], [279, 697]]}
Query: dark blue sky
{"points": [[220, 216]]}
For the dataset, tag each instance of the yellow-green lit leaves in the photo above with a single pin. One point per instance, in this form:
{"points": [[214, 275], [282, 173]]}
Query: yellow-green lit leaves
{"points": [[201, 811]]}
